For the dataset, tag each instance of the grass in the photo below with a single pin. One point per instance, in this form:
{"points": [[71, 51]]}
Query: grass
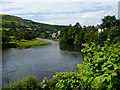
{"points": [[24, 43], [7, 29], [28, 43]]}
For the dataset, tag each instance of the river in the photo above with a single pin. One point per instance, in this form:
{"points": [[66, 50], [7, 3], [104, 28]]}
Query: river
{"points": [[40, 61]]}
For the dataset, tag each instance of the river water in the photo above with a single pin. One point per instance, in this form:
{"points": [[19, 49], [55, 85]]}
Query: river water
{"points": [[40, 61]]}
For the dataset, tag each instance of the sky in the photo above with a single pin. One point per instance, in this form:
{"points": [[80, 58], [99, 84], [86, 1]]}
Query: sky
{"points": [[61, 12]]}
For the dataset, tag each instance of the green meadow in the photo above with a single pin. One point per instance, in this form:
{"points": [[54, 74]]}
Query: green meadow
{"points": [[25, 43], [28, 43]]}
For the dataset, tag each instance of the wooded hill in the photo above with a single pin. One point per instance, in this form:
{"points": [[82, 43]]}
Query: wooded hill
{"points": [[15, 29], [10, 21]]}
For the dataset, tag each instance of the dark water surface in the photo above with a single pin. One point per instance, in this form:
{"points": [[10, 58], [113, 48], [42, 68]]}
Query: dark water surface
{"points": [[40, 61]]}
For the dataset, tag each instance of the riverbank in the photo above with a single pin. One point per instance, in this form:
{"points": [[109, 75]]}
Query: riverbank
{"points": [[55, 39], [24, 43]]}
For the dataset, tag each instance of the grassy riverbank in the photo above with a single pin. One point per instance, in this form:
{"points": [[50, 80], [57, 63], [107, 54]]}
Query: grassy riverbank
{"points": [[24, 43], [28, 43]]}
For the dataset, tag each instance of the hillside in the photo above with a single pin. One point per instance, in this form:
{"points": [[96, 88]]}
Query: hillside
{"points": [[9, 21], [16, 30]]}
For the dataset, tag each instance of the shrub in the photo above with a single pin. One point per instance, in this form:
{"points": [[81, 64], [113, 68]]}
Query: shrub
{"points": [[101, 66], [62, 81], [28, 83]]}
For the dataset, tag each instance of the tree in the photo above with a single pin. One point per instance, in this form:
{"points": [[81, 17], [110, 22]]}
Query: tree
{"points": [[108, 21], [64, 34], [5, 37], [78, 25], [114, 34], [19, 36], [103, 36], [28, 36]]}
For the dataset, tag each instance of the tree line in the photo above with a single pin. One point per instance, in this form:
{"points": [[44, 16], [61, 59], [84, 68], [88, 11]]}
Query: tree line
{"points": [[77, 34]]}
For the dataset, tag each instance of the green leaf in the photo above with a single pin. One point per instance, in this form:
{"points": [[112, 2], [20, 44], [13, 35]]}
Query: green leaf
{"points": [[108, 71], [114, 74], [104, 69], [89, 54], [110, 86], [108, 78], [98, 46], [115, 66], [90, 79], [103, 79], [96, 64], [103, 48]]}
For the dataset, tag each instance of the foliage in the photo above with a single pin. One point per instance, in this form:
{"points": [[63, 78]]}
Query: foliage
{"points": [[5, 37], [9, 17], [28, 83], [87, 34], [114, 34], [109, 21], [79, 35], [101, 66], [63, 81], [71, 34]]}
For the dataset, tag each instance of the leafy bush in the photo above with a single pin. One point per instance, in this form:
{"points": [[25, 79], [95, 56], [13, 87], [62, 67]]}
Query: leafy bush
{"points": [[63, 81], [101, 66], [28, 83]]}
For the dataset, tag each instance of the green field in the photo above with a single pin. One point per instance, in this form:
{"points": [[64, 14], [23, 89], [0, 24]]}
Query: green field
{"points": [[28, 43], [24, 43]]}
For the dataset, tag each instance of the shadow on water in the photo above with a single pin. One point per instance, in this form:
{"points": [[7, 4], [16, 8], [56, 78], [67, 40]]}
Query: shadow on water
{"points": [[10, 45], [69, 47]]}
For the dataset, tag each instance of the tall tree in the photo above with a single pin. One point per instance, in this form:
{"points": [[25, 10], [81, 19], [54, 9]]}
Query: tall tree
{"points": [[108, 21]]}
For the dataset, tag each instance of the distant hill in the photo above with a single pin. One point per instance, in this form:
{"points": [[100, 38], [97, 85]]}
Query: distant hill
{"points": [[10, 21]]}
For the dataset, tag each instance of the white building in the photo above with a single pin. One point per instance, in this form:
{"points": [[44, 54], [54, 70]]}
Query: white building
{"points": [[58, 32], [100, 30], [54, 35]]}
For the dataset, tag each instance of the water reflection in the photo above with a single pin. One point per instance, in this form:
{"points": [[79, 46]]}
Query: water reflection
{"points": [[69, 47]]}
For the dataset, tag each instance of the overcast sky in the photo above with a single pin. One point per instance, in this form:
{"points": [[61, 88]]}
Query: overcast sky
{"points": [[61, 12]]}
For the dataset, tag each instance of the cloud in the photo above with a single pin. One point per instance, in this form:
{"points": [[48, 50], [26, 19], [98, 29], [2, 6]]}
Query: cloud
{"points": [[84, 18], [61, 12], [28, 15]]}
